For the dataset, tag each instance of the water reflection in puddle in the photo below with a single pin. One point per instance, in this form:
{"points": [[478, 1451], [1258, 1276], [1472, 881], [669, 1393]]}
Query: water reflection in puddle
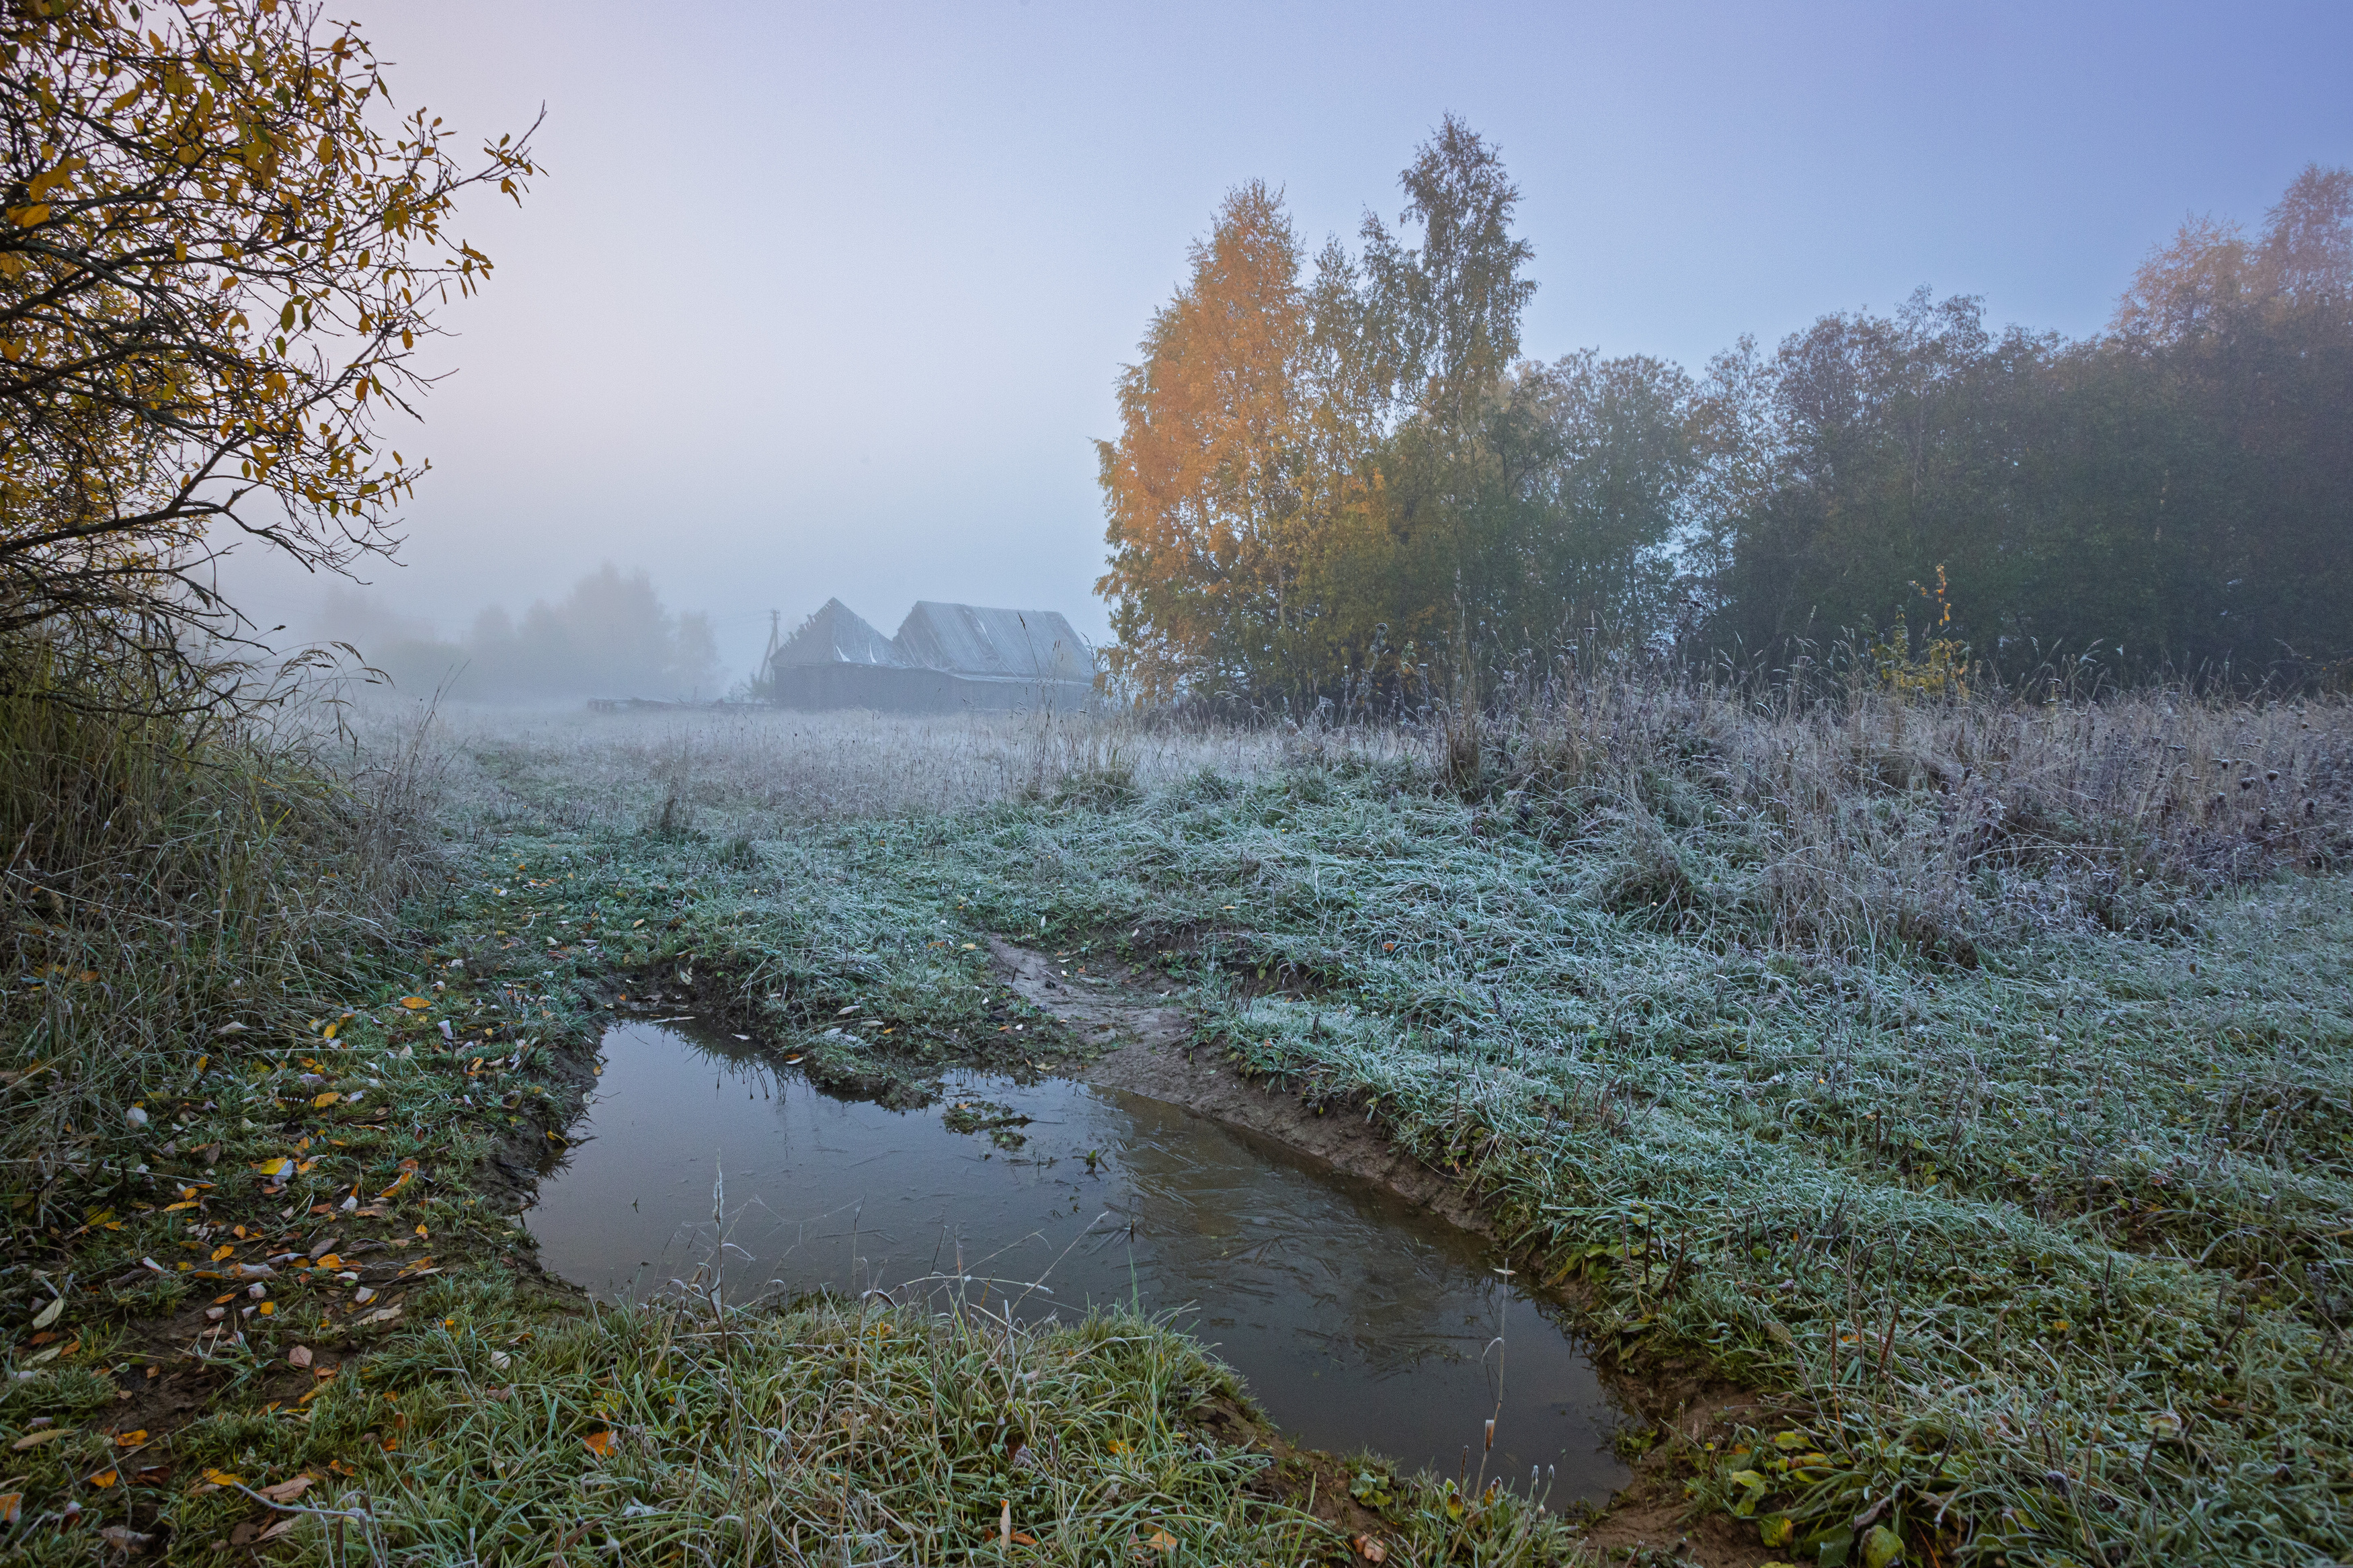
{"points": [[1357, 1319]]}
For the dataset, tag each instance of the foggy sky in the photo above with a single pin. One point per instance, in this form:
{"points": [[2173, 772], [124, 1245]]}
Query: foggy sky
{"points": [[820, 301]]}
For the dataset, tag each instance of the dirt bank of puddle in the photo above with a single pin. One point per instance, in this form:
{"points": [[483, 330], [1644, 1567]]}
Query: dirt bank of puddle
{"points": [[1147, 1047], [1144, 1043]]}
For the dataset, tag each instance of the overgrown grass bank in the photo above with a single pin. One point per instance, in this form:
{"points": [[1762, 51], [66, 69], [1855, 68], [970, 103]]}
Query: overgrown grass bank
{"points": [[838, 1432], [171, 882]]}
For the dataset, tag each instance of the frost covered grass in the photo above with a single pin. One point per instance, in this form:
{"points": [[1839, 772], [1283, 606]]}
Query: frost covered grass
{"points": [[2045, 1259], [1968, 1079], [842, 1433], [2028, 1212], [1860, 824], [729, 771]]}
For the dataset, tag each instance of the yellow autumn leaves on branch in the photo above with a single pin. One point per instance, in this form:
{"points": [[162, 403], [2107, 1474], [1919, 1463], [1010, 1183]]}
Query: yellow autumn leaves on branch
{"points": [[220, 250]]}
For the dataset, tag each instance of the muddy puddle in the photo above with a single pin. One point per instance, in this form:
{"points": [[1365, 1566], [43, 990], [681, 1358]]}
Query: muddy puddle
{"points": [[1355, 1320]]}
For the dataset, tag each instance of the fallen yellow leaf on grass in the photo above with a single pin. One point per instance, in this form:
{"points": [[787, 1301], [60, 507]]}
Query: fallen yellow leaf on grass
{"points": [[1161, 1541], [11, 1505], [278, 1167], [223, 1478], [415, 1004], [599, 1443], [130, 1439], [106, 1478], [321, 1101]]}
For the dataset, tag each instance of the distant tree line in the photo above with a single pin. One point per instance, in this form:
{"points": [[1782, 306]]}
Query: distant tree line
{"points": [[609, 636], [1336, 477]]}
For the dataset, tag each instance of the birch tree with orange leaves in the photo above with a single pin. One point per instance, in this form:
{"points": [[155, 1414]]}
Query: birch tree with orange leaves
{"points": [[1209, 492]]}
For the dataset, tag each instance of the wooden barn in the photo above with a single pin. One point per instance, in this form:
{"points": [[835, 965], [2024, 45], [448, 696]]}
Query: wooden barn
{"points": [[945, 658]]}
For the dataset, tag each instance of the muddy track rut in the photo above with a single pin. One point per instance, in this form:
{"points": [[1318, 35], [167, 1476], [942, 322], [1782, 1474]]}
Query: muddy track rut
{"points": [[1152, 1051]]}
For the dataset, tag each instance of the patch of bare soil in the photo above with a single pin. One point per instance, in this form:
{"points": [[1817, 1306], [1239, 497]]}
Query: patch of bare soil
{"points": [[1153, 1052], [1151, 1048]]}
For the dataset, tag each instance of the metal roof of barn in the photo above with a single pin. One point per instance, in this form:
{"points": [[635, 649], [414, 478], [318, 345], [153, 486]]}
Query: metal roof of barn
{"points": [[836, 634], [1029, 644]]}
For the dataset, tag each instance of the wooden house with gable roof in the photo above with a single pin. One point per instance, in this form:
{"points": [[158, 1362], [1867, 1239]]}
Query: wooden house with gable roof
{"points": [[945, 658]]}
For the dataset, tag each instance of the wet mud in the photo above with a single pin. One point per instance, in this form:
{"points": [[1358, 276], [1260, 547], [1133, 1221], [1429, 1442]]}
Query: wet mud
{"points": [[1148, 1048]]}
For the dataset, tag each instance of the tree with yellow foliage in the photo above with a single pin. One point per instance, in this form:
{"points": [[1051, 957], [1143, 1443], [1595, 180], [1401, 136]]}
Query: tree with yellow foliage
{"points": [[1209, 499], [1350, 488], [2210, 270], [219, 252]]}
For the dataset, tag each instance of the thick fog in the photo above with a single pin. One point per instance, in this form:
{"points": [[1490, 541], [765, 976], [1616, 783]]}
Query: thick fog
{"points": [[823, 301]]}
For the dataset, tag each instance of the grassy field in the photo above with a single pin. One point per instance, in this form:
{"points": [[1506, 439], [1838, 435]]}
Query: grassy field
{"points": [[1968, 1080]]}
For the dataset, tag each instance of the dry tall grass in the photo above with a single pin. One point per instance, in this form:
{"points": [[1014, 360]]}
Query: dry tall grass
{"points": [[175, 888], [1876, 819], [1862, 821], [733, 771]]}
